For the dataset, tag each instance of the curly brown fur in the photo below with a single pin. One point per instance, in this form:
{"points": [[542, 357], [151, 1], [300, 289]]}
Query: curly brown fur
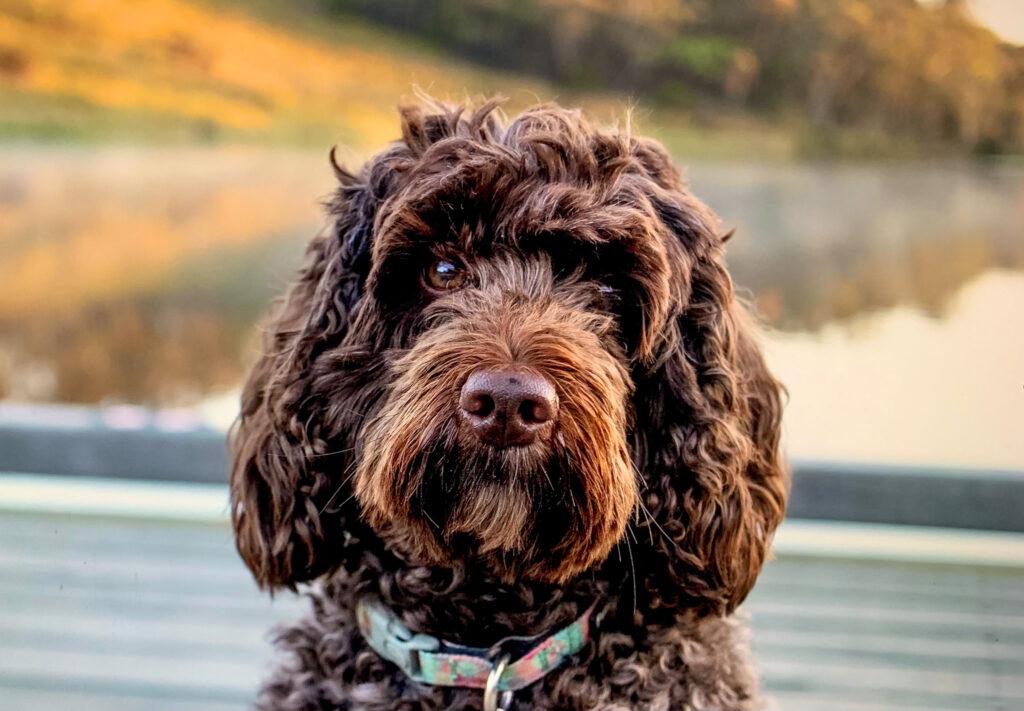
{"points": [[656, 491]]}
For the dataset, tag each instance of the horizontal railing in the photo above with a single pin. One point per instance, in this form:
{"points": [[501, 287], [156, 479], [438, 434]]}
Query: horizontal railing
{"points": [[136, 444]]}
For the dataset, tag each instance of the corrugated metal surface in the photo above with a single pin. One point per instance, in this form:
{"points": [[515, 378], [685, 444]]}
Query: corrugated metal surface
{"points": [[845, 635], [106, 614]]}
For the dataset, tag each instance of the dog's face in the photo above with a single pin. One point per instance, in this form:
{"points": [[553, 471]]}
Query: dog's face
{"points": [[502, 433], [481, 354]]}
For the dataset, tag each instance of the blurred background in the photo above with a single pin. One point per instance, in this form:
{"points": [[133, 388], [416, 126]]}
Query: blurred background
{"points": [[162, 164]]}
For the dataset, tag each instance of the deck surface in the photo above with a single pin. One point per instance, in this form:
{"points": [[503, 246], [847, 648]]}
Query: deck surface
{"points": [[99, 613]]}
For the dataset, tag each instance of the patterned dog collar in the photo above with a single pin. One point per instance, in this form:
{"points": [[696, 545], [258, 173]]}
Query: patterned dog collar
{"points": [[512, 664]]}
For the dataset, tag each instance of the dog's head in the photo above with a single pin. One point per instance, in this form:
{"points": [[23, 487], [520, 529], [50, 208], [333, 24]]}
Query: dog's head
{"points": [[514, 339]]}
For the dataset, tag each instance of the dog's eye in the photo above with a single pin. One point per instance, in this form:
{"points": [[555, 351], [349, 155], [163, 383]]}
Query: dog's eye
{"points": [[445, 275]]}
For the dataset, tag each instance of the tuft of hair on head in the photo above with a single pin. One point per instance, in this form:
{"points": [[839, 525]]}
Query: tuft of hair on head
{"points": [[429, 121], [345, 178]]}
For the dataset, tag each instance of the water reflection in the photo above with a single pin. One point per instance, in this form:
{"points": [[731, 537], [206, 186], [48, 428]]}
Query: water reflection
{"points": [[901, 387], [137, 274], [819, 243]]}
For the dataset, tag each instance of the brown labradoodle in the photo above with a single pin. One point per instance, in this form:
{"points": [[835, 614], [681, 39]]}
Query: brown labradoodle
{"points": [[514, 420]]}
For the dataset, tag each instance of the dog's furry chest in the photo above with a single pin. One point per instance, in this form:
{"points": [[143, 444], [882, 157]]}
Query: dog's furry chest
{"points": [[325, 663]]}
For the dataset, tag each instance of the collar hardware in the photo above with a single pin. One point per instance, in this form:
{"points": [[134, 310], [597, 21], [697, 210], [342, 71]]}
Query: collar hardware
{"points": [[400, 646], [492, 701], [512, 664]]}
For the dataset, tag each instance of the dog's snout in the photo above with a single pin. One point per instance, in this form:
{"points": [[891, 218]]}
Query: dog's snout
{"points": [[508, 407]]}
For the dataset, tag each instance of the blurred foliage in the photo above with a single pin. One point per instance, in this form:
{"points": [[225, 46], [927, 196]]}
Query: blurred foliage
{"points": [[751, 78], [706, 57], [924, 71]]}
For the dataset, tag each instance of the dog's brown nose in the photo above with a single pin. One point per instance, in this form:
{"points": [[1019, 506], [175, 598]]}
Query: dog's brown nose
{"points": [[508, 407]]}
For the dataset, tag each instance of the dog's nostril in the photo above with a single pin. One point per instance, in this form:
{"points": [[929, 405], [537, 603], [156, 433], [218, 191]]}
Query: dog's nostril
{"points": [[533, 412], [476, 403], [480, 404]]}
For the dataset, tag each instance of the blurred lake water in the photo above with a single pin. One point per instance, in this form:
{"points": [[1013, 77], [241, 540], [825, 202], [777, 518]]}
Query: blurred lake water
{"points": [[895, 292]]}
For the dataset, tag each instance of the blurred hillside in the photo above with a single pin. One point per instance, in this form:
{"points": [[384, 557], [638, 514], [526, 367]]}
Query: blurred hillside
{"points": [[185, 70], [262, 72], [768, 78], [924, 70]]}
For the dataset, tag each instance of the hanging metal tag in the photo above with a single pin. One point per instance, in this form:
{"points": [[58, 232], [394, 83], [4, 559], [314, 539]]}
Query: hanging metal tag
{"points": [[493, 699]]}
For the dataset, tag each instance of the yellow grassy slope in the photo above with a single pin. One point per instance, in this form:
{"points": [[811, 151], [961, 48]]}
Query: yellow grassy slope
{"points": [[217, 66]]}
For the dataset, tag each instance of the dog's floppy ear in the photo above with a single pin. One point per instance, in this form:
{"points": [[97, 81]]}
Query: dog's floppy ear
{"points": [[708, 425], [280, 483]]}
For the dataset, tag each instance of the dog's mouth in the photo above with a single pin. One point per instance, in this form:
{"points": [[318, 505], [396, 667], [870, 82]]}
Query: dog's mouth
{"points": [[521, 511], [546, 509], [481, 500]]}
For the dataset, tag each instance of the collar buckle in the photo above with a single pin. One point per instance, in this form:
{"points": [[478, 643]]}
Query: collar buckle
{"points": [[403, 647]]}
